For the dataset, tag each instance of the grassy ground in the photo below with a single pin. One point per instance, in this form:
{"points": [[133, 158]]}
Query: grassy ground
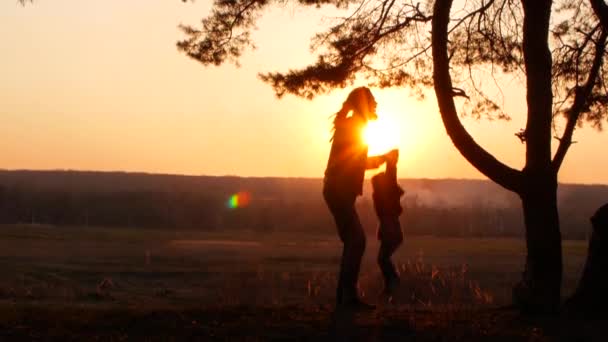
{"points": [[124, 284]]}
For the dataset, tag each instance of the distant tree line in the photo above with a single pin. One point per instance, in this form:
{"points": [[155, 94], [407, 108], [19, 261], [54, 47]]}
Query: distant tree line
{"points": [[277, 204]]}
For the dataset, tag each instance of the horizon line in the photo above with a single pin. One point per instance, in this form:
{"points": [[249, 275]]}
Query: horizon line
{"points": [[254, 177]]}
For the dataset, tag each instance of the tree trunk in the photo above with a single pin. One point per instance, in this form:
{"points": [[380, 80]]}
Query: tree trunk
{"points": [[539, 290], [591, 297]]}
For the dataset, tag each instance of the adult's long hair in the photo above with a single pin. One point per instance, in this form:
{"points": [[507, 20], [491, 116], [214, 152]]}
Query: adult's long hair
{"points": [[356, 101]]}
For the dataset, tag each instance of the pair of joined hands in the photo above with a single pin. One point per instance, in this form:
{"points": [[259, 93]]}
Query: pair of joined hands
{"points": [[392, 156]]}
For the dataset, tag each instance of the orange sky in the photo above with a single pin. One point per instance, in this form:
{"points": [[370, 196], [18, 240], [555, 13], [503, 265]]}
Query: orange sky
{"points": [[99, 85]]}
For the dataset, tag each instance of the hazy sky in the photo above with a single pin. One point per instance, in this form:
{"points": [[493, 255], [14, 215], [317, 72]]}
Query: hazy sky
{"points": [[99, 85]]}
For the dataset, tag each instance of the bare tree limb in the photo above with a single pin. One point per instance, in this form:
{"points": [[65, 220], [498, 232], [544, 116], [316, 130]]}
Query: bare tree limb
{"points": [[601, 11], [580, 99], [483, 161]]}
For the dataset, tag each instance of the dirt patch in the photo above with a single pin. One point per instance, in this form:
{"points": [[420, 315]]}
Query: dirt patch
{"points": [[219, 243]]}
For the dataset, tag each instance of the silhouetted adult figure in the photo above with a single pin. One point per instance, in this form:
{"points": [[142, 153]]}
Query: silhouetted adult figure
{"points": [[342, 184], [591, 296]]}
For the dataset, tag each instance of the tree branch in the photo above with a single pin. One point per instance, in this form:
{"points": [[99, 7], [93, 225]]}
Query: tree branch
{"points": [[580, 100], [348, 47], [601, 11], [505, 176]]}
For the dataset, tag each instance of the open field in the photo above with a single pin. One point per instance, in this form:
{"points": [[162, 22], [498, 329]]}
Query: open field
{"points": [[67, 282]]}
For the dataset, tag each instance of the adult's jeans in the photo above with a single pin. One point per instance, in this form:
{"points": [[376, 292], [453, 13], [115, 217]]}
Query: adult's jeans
{"points": [[351, 233]]}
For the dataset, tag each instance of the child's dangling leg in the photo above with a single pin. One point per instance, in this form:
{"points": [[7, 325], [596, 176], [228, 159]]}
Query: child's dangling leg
{"points": [[391, 237]]}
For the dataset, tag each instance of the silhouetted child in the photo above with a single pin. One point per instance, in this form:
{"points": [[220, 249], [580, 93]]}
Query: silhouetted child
{"points": [[386, 196]]}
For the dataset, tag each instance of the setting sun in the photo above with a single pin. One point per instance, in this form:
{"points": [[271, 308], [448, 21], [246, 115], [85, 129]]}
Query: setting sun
{"points": [[381, 136]]}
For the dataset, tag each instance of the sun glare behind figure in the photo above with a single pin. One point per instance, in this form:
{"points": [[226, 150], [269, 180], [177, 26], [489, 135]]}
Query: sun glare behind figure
{"points": [[380, 136]]}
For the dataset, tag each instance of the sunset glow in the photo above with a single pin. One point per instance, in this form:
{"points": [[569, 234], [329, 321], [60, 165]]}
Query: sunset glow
{"points": [[78, 109], [381, 136]]}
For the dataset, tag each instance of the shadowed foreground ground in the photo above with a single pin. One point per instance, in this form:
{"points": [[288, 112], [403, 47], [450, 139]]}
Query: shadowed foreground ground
{"points": [[114, 284], [39, 322]]}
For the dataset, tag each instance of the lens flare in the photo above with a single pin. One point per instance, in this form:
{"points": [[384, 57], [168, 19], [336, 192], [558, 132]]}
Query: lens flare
{"points": [[239, 200]]}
